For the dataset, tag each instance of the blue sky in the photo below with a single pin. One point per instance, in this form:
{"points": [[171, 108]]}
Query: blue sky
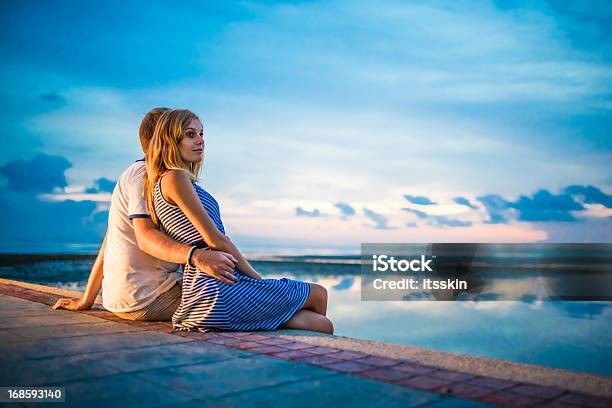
{"points": [[327, 123]]}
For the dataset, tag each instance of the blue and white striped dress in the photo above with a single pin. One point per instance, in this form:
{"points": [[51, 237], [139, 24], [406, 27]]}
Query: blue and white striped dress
{"points": [[209, 304]]}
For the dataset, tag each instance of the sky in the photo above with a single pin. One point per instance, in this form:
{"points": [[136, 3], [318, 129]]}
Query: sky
{"points": [[327, 124]]}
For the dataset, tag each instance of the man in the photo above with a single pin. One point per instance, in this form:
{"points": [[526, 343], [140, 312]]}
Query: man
{"points": [[137, 265]]}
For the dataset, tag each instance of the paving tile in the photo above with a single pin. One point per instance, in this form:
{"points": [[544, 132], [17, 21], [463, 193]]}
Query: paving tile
{"points": [[28, 350], [60, 317], [317, 360], [7, 336], [493, 383], [414, 368], [235, 334], [297, 346], [379, 361], [255, 337], [230, 376], [266, 349], [347, 366], [557, 404], [121, 390], [508, 399], [465, 390], [72, 330], [538, 391], [291, 354], [322, 350], [424, 382], [455, 376], [276, 341], [387, 374], [585, 400], [457, 403], [113, 341], [349, 355], [169, 355], [228, 341], [338, 390], [247, 345], [54, 370]]}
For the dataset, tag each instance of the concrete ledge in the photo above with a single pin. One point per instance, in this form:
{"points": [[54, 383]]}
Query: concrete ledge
{"points": [[499, 369], [481, 379]]}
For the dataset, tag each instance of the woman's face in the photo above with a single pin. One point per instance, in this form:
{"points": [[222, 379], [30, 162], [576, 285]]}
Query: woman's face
{"points": [[191, 147]]}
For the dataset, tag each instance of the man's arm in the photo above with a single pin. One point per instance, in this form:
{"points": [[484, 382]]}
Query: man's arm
{"points": [[94, 284], [157, 244]]}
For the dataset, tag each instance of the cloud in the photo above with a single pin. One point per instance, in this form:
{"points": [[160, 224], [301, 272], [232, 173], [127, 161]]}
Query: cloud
{"points": [[497, 208], [379, 219], [422, 215], [545, 206], [465, 201], [26, 218], [300, 212], [437, 220], [41, 174], [345, 208], [101, 185], [420, 200], [441, 220], [590, 195]]}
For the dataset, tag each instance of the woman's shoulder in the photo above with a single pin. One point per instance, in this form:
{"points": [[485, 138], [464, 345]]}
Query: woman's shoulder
{"points": [[175, 177]]}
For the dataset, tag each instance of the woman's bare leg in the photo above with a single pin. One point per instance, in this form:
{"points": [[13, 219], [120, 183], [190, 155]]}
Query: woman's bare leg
{"points": [[317, 299], [309, 320]]}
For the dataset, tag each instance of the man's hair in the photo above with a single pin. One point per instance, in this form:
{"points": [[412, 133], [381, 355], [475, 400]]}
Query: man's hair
{"points": [[147, 126]]}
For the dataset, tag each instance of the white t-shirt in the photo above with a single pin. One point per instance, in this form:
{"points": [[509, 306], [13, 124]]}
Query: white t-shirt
{"points": [[132, 278]]}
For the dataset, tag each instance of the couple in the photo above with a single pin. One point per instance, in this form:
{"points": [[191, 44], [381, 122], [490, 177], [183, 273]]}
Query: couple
{"points": [[159, 218]]}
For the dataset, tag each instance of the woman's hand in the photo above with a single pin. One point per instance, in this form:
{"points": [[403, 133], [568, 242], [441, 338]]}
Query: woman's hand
{"points": [[70, 304], [219, 265]]}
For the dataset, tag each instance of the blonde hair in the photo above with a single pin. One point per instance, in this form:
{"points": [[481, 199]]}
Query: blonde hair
{"points": [[147, 126], [163, 153]]}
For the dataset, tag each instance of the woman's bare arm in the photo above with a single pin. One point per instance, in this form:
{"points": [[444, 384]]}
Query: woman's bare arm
{"points": [[177, 189], [94, 284]]}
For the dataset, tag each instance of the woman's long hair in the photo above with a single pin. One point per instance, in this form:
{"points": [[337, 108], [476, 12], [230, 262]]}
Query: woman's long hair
{"points": [[163, 153]]}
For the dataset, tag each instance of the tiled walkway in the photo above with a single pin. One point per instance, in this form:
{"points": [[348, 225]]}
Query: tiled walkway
{"points": [[103, 360]]}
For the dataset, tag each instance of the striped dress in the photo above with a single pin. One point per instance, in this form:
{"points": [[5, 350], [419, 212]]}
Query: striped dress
{"points": [[208, 304]]}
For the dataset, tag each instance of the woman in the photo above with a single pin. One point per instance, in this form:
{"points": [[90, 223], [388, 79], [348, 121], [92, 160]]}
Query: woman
{"points": [[240, 299]]}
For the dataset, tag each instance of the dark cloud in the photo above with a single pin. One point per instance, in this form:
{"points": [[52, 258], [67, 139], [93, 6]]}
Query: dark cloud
{"points": [[590, 195], [497, 208], [379, 219], [40, 175], [101, 185], [465, 201], [421, 200], [345, 208], [411, 224], [52, 97], [545, 206], [24, 218], [300, 212]]}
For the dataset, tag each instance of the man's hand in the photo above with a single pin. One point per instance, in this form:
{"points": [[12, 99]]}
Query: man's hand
{"points": [[70, 304], [217, 264]]}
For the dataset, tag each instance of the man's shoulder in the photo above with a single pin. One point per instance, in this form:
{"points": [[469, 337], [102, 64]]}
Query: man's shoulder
{"points": [[134, 170]]}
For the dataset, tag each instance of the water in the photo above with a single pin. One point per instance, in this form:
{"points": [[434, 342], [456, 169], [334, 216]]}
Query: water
{"points": [[562, 334]]}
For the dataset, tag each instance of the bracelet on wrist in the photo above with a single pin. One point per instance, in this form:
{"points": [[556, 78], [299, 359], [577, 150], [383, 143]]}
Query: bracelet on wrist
{"points": [[190, 255]]}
